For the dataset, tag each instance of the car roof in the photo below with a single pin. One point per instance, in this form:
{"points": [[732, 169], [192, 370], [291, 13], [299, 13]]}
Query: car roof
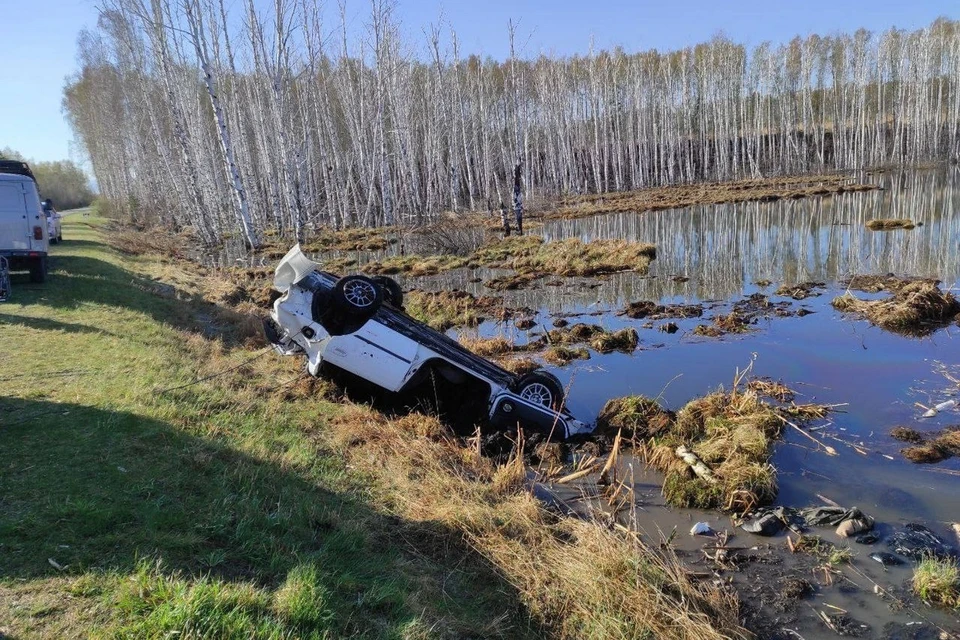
{"points": [[14, 177]]}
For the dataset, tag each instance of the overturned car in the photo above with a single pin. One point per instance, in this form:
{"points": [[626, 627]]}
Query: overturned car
{"points": [[357, 324]]}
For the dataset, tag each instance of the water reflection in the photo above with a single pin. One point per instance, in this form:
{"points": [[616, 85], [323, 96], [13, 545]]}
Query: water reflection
{"points": [[725, 248]]}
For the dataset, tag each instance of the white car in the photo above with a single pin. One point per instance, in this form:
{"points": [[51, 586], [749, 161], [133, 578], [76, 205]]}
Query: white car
{"points": [[54, 226], [357, 324], [24, 240]]}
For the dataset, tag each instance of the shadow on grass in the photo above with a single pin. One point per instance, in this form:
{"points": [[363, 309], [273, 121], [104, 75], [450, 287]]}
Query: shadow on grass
{"points": [[106, 492], [45, 324], [80, 280]]}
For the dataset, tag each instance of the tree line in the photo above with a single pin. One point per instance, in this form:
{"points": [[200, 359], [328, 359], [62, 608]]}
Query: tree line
{"points": [[62, 181], [236, 121]]}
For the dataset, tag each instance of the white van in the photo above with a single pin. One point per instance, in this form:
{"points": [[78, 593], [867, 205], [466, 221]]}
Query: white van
{"points": [[24, 239]]}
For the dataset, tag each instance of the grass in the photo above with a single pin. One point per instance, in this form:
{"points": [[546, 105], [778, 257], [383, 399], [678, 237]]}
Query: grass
{"points": [[915, 308], [732, 433], [247, 501], [887, 224], [678, 196], [529, 256], [937, 581], [447, 309], [215, 509]]}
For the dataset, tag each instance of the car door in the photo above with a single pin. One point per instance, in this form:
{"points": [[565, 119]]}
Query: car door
{"points": [[375, 353], [15, 231]]}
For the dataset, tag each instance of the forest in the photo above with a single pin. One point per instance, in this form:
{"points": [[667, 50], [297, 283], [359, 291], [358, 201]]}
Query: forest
{"points": [[238, 122]]}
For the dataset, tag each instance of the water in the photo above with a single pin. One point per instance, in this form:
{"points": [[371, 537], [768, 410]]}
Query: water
{"points": [[828, 358]]}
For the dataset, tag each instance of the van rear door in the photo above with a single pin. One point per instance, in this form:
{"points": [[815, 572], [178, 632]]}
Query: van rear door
{"points": [[15, 230]]}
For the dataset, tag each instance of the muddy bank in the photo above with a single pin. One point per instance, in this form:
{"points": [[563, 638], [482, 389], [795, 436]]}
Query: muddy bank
{"points": [[677, 196]]}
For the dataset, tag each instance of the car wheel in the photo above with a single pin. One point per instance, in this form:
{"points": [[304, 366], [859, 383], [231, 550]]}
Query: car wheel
{"points": [[357, 296], [38, 270], [540, 387], [392, 293]]}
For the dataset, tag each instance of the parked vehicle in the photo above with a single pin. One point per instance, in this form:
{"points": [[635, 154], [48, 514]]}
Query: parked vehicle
{"points": [[357, 324], [54, 226], [24, 238]]}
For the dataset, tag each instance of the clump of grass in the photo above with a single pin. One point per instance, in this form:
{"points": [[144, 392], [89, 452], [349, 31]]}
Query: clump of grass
{"points": [[926, 453], [486, 347], [938, 448], [599, 339], [447, 309], [415, 265], [512, 282], [887, 224], [624, 340], [570, 257], [937, 580], [560, 355], [353, 239], [800, 291], [776, 390], [653, 311], [634, 416], [906, 434], [518, 366], [916, 308], [732, 322], [732, 434]]}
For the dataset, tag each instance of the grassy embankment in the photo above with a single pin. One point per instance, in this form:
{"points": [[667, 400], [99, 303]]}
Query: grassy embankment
{"points": [[251, 504]]}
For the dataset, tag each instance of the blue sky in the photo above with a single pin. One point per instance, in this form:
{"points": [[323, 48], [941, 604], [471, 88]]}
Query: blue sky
{"points": [[42, 34]]}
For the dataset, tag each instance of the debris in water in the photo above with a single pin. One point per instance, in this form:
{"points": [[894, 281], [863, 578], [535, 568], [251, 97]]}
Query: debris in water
{"points": [[702, 529], [766, 525], [853, 526], [943, 406], [917, 541], [867, 538], [886, 559]]}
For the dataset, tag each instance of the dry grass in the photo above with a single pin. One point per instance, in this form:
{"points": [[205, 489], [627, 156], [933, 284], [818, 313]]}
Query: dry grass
{"points": [[677, 196], [529, 256], [577, 578], [634, 417], [771, 389], [569, 257], [518, 366], [447, 309], [560, 355], [732, 434], [487, 347], [886, 224], [942, 446], [599, 339], [915, 308], [354, 239]]}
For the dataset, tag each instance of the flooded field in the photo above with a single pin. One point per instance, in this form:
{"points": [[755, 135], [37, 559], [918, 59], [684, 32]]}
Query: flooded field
{"points": [[717, 255], [718, 258]]}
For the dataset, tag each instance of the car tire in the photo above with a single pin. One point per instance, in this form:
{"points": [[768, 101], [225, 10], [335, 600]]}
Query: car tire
{"points": [[541, 387], [392, 293], [38, 270], [357, 296]]}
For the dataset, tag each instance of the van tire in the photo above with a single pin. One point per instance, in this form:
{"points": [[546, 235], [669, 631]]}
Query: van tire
{"points": [[38, 270]]}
